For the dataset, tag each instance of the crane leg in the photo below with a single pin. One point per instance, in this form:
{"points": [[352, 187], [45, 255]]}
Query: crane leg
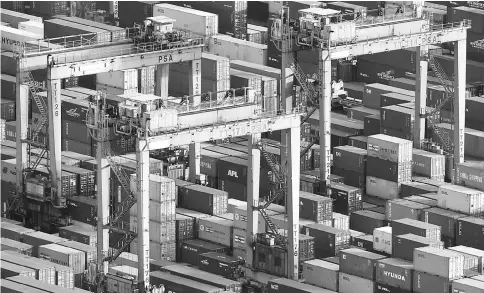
{"points": [[459, 99], [420, 96], [143, 213], [292, 202], [253, 180], [325, 119]]}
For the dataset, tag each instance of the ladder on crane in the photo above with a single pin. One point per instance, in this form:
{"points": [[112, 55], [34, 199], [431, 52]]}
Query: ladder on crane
{"points": [[432, 115]]}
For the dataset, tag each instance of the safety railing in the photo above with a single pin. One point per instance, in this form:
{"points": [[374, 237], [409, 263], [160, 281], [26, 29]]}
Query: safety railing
{"points": [[211, 104]]}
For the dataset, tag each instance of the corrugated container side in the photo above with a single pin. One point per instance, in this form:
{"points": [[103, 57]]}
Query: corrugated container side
{"points": [[394, 272], [382, 188], [66, 256], [359, 262], [469, 232], [404, 226], [461, 199], [321, 274], [389, 148], [427, 283], [353, 284], [439, 262], [470, 174], [400, 209]]}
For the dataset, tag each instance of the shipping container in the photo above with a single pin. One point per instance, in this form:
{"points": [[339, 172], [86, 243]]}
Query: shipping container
{"points": [[346, 199], [203, 199], [74, 110], [83, 209], [219, 264], [404, 245], [240, 218], [389, 148], [79, 234], [428, 164], [359, 262], [382, 188], [64, 255], [400, 209], [395, 272], [439, 262], [382, 240], [191, 249], [446, 219], [14, 17], [198, 22], [390, 171], [366, 221], [123, 79], [37, 239], [390, 99], [89, 251], [64, 276], [328, 241], [179, 284], [236, 49], [470, 174], [404, 226], [468, 286], [12, 287], [202, 276], [427, 200], [350, 158], [372, 93], [286, 285], [398, 118], [270, 259], [10, 270], [14, 232], [470, 253], [321, 273], [14, 38], [351, 178], [469, 232], [315, 207], [56, 28], [216, 230], [461, 199], [428, 283], [45, 270], [416, 188], [9, 244], [116, 33], [354, 284]]}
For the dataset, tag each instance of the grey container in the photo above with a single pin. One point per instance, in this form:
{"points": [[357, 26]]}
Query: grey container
{"points": [[470, 174], [328, 241], [428, 164], [37, 239], [64, 276], [216, 230], [45, 270], [350, 158], [391, 171], [14, 232], [321, 273], [416, 188], [405, 226], [8, 286], [315, 207], [398, 118], [175, 283], [203, 199], [63, 255], [9, 244], [354, 284], [428, 283], [79, 234], [439, 262], [43, 286], [357, 262], [366, 221], [468, 286], [290, 286], [470, 253], [404, 245], [428, 199], [89, 251], [400, 209], [203, 277], [469, 232], [395, 272], [10, 270], [446, 219]]}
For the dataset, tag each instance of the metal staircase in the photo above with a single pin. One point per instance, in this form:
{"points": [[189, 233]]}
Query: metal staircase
{"points": [[432, 116], [279, 191], [308, 147]]}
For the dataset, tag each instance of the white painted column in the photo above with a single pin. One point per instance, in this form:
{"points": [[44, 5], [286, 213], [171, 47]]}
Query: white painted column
{"points": [[22, 102], [292, 203], [162, 75], [253, 182], [324, 76], [143, 213], [54, 128], [103, 188], [420, 96], [195, 81], [460, 56], [194, 161]]}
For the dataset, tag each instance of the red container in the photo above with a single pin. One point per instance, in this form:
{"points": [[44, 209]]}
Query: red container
{"points": [[234, 189], [359, 263], [427, 283], [351, 178], [347, 199], [398, 118], [446, 219], [328, 241], [209, 161], [372, 125], [404, 226], [74, 110], [359, 142], [83, 209], [364, 242], [384, 169], [191, 249], [315, 207], [366, 221], [404, 245], [203, 199]]}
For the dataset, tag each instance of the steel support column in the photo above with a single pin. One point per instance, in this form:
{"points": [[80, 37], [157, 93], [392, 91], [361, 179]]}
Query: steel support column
{"points": [[286, 99], [162, 74], [103, 180], [22, 97], [460, 56], [253, 180], [54, 128], [324, 76], [143, 212], [292, 202], [420, 95], [195, 81], [194, 161]]}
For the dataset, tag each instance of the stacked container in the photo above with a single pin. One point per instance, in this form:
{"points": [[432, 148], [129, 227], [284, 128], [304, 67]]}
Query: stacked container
{"points": [[190, 250], [461, 199], [366, 221], [328, 241], [469, 232], [357, 270], [470, 174], [65, 256], [161, 217], [350, 162], [382, 240], [404, 226], [394, 273], [146, 80], [401, 208], [427, 164], [236, 49], [203, 199], [321, 273], [215, 74], [447, 220], [389, 165], [200, 23], [404, 245], [118, 82]]}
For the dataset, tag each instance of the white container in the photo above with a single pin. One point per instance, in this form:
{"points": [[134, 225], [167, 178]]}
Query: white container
{"points": [[159, 120], [341, 221], [353, 284], [146, 78], [32, 27], [123, 79], [461, 199], [240, 218], [198, 22], [215, 67], [14, 17], [13, 39], [390, 148], [239, 238], [65, 256], [473, 252], [321, 273], [159, 211], [468, 286], [382, 239], [159, 232], [439, 262], [158, 251], [236, 49], [161, 188], [381, 188], [232, 203], [216, 230]]}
